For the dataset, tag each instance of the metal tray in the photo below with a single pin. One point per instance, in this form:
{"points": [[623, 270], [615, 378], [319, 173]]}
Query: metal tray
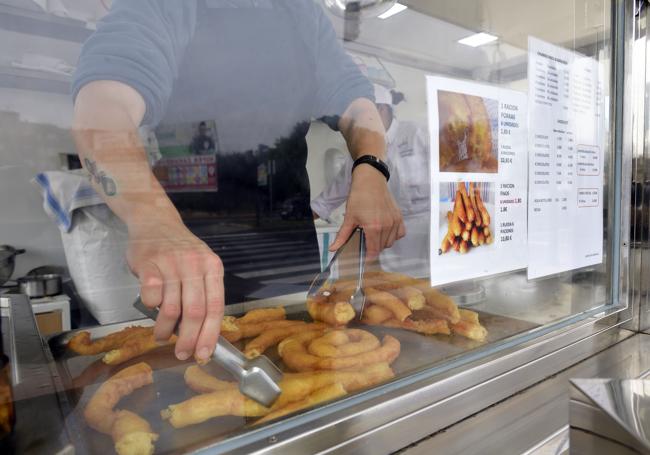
{"points": [[82, 375]]}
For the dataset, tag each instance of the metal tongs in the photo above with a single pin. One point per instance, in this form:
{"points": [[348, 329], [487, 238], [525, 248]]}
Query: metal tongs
{"points": [[358, 298], [258, 378]]}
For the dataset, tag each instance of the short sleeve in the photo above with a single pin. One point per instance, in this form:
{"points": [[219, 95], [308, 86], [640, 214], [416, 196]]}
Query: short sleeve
{"points": [[339, 80], [139, 43], [335, 194]]}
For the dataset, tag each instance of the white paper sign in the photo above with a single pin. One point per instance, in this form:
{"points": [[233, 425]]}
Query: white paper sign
{"points": [[479, 144], [566, 138]]}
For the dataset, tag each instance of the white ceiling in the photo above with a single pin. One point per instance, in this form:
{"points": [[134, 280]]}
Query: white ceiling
{"points": [[555, 21], [429, 30]]}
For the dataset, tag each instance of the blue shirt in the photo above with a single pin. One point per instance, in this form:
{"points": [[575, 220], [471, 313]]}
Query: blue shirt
{"points": [[257, 67]]}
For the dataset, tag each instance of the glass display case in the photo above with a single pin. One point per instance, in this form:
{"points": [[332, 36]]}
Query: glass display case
{"points": [[218, 142]]}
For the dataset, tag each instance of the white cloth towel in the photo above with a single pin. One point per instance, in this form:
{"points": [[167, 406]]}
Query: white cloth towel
{"points": [[63, 192]]}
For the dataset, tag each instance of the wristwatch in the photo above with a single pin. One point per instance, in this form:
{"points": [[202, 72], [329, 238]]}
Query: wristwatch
{"points": [[374, 162]]}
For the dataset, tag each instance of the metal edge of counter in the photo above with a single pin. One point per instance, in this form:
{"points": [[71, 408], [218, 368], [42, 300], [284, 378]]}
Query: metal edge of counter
{"points": [[391, 417], [536, 421], [36, 387]]}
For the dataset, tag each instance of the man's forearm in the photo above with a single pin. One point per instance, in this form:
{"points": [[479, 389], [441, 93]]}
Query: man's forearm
{"points": [[105, 131], [363, 130], [370, 204]]}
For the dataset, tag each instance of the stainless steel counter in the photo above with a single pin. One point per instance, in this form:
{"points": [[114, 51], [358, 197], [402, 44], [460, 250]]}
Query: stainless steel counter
{"points": [[609, 416], [536, 421], [39, 422]]}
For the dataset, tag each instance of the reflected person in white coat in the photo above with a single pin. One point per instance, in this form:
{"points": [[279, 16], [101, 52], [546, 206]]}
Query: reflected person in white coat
{"points": [[408, 159]]}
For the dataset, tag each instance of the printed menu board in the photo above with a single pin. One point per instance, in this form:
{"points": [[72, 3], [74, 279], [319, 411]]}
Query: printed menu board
{"points": [[566, 137], [478, 171]]}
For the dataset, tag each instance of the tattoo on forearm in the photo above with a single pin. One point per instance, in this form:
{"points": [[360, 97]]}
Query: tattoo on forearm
{"points": [[101, 178]]}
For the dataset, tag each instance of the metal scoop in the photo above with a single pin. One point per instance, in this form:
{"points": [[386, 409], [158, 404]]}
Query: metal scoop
{"points": [[358, 298], [258, 378]]}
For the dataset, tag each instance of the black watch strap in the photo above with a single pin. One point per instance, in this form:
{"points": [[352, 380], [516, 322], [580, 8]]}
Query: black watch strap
{"points": [[374, 162]]}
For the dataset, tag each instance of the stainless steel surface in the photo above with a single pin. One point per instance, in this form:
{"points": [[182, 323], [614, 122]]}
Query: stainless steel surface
{"points": [[619, 173], [466, 294], [536, 420], [31, 287], [258, 378], [358, 300], [39, 416], [348, 262], [7, 262], [328, 274], [610, 416], [36, 286], [52, 283], [555, 444], [641, 175]]}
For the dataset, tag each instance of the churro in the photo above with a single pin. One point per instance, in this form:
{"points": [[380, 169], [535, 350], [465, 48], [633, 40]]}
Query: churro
{"points": [[375, 314], [332, 313], [268, 338], [327, 393], [209, 405], [134, 347], [410, 295], [424, 326], [296, 354], [99, 411], [262, 315], [82, 344], [388, 301], [132, 434]]}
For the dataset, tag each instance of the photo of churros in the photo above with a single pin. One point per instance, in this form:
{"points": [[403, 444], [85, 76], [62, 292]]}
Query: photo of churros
{"points": [[468, 133], [465, 216]]}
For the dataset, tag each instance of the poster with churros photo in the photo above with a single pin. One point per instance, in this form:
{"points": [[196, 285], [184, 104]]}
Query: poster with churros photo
{"points": [[479, 163], [467, 133], [465, 223]]}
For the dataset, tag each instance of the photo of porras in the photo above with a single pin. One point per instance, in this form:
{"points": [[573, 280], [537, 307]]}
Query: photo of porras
{"points": [[468, 133]]}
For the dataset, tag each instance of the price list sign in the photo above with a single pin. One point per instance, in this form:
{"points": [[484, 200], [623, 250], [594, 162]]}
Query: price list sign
{"points": [[478, 166], [566, 138]]}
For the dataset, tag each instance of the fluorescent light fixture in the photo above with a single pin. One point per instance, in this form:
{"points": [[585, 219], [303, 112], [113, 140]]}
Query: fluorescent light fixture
{"points": [[478, 39], [396, 8]]}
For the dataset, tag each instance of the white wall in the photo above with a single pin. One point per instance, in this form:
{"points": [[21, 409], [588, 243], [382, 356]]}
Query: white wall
{"points": [[33, 133]]}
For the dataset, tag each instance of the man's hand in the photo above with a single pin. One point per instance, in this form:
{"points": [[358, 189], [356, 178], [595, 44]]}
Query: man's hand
{"points": [[182, 276], [177, 271], [371, 206]]}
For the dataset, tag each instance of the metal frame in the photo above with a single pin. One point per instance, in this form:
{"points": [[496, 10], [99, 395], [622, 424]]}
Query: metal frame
{"points": [[390, 417], [393, 416], [641, 221]]}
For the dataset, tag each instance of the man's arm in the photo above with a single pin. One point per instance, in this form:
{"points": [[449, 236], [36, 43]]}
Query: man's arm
{"points": [[345, 93], [176, 270], [370, 204]]}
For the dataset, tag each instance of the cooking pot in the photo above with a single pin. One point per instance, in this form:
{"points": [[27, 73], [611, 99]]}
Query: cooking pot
{"points": [[7, 262], [36, 286]]}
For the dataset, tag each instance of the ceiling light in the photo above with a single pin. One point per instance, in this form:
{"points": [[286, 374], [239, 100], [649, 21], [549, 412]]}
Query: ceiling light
{"points": [[397, 8], [361, 8], [478, 39]]}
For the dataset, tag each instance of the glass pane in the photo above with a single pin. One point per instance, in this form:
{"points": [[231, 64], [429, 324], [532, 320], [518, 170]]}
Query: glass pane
{"points": [[203, 152]]}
